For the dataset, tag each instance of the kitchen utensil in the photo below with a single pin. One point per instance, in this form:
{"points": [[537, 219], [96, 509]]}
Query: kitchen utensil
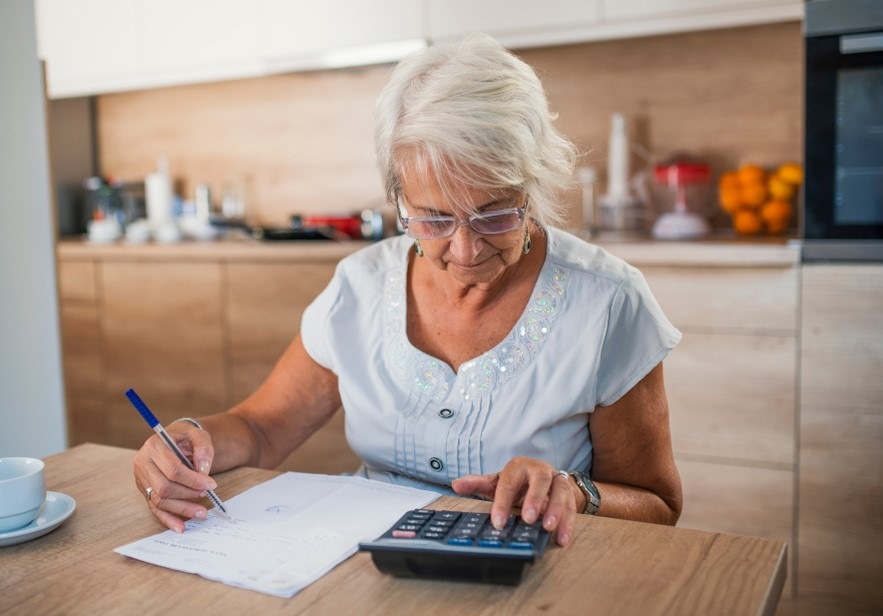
{"points": [[687, 186]]}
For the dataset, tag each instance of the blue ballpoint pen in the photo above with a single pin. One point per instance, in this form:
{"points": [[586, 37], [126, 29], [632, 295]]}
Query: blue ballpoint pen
{"points": [[153, 422]]}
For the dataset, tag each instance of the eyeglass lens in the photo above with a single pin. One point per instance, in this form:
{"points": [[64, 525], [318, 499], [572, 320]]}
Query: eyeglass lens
{"points": [[492, 223]]}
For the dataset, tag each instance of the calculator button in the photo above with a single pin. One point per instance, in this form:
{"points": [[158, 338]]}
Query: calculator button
{"points": [[478, 518], [447, 515], [459, 541], [525, 536], [490, 543], [521, 545], [409, 526], [433, 535], [437, 529], [493, 533], [404, 534]]}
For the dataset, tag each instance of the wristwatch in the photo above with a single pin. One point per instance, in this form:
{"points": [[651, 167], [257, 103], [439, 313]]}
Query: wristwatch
{"points": [[589, 490]]}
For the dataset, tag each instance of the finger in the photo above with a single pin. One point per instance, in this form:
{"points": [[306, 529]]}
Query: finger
{"points": [[476, 485], [202, 447], [510, 486], [177, 508], [177, 472], [537, 495], [154, 477], [560, 513]]}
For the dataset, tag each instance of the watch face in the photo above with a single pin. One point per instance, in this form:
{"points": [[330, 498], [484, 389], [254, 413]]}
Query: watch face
{"points": [[593, 497]]}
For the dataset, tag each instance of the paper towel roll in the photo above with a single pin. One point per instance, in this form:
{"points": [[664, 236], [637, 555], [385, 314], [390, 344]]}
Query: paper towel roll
{"points": [[158, 192]]}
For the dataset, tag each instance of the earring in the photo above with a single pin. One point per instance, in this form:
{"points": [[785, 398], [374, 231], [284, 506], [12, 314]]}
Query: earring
{"points": [[525, 248], [418, 248]]}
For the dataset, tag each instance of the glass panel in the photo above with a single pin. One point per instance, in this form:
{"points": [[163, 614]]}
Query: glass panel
{"points": [[858, 185]]}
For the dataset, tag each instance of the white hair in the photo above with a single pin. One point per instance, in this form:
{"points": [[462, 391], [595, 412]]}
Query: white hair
{"points": [[473, 115]]}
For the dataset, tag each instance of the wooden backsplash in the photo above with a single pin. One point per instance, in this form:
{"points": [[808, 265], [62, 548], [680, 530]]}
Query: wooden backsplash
{"points": [[303, 142]]}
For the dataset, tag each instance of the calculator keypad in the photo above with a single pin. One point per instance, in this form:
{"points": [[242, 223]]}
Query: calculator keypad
{"points": [[466, 529], [455, 545]]}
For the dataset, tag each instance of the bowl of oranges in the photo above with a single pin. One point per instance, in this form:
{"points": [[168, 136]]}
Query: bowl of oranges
{"points": [[760, 201]]}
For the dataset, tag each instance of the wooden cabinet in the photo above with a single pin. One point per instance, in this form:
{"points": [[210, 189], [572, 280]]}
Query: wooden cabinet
{"points": [[732, 386], [840, 535], [163, 335], [192, 337], [82, 359]]}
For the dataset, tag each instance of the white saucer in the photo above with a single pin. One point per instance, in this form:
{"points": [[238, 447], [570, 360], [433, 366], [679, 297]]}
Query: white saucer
{"points": [[55, 509]]}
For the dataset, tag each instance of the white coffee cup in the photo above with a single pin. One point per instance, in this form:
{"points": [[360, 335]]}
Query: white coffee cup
{"points": [[22, 492]]}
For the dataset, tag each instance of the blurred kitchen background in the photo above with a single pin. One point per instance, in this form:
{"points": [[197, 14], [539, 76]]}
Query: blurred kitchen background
{"points": [[183, 138]]}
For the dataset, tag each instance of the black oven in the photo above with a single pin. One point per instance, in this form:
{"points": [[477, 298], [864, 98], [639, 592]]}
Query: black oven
{"points": [[843, 158]]}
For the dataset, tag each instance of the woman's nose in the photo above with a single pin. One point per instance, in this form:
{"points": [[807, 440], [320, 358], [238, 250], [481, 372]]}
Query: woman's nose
{"points": [[465, 243]]}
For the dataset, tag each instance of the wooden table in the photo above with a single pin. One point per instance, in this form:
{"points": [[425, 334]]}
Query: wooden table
{"points": [[611, 567]]}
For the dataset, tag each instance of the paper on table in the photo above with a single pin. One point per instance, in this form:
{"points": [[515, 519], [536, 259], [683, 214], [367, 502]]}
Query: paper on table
{"points": [[285, 533]]}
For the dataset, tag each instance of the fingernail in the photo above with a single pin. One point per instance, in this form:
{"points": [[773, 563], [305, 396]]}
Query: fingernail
{"points": [[529, 515], [204, 466], [549, 521], [498, 520], [200, 514], [212, 485], [563, 539]]}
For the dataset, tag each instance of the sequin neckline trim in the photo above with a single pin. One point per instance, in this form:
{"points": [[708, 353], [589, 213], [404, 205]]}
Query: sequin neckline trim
{"points": [[429, 376]]}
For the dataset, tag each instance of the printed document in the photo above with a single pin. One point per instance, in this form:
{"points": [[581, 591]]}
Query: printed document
{"points": [[285, 533]]}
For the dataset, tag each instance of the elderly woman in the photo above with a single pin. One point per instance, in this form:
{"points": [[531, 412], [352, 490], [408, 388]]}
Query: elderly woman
{"points": [[483, 353]]}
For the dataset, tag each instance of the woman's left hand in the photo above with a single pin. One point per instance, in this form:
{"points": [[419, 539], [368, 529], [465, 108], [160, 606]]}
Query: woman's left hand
{"points": [[534, 485]]}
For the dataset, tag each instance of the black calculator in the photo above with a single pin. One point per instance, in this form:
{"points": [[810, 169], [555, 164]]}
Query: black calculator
{"points": [[456, 545]]}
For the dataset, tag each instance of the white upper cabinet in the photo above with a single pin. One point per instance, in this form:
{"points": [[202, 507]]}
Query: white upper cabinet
{"points": [[515, 23], [640, 17], [87, 44], [526, 23], [198, 40], [336, 33], [98, 46]]}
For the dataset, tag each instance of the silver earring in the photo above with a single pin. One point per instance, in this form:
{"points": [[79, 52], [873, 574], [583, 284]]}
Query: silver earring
{"points": [[525, 248], [418, 248]]}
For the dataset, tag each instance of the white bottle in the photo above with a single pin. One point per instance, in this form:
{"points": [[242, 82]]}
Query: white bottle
{"points": [[158, 193], [617, 205]]}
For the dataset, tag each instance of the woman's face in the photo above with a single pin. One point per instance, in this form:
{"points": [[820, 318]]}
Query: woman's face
{"points": [[467, 256]]}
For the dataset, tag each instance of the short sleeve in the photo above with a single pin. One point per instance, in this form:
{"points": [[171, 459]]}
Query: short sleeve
{"points": [[638, 336], [314, 325]]}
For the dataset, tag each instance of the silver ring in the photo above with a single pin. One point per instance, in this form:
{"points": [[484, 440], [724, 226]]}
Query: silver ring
{"points": [[564, 474], [147, 492]]}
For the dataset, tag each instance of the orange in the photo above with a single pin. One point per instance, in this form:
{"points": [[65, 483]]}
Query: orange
{"points": [[753, 194], [792, 173], [730, 199], [746, 222], [728, 181], [751, 174], [776, 213], [777, 228], [780, 189]]}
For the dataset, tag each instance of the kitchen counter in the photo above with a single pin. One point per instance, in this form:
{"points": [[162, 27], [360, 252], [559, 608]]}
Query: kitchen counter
{"points": [[724, 251]]}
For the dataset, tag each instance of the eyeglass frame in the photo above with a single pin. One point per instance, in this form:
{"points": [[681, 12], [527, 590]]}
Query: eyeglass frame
{"points": [[406, 220]]}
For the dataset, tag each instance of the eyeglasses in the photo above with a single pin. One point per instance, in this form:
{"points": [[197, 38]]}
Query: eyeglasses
{"points": [[438, 227]]}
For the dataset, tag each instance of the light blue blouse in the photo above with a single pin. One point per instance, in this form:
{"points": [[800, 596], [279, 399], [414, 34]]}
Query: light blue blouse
{"points": [[589, 333]]}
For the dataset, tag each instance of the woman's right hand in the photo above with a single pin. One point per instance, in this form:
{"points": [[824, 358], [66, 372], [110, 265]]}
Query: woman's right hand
{"points": [[174, 488]]}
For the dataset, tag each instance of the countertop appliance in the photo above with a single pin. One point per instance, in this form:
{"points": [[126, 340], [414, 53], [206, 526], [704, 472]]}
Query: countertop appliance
{"points": [[843, 197]]}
